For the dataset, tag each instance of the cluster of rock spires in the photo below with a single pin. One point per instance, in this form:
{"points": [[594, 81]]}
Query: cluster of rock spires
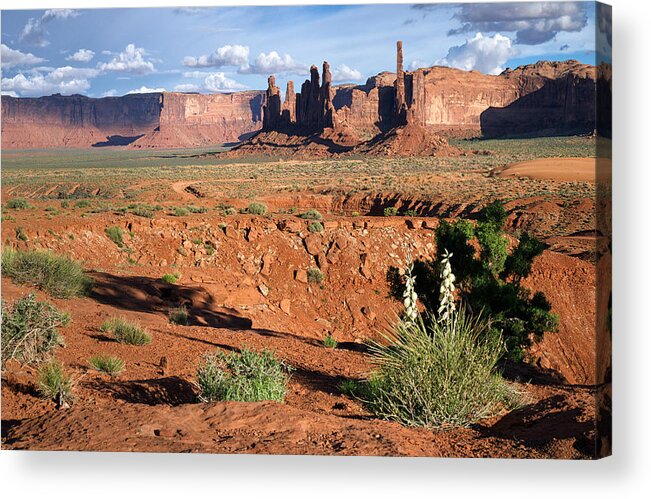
{"points": [[309, 110], [306, 121]]}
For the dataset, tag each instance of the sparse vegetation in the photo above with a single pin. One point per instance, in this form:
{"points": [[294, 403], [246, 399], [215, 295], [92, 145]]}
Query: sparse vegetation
{"points": [[315, 276], [54, 384], [21, 235], [329, 341], [83, 203], [256, 209], [115, 234], [179, 315], [246, 377], [17, 204], [30, 329], [196, 209], [315, 227], [171, 278], [311, 214], [390, 211], [124, 331], [107, 364], [229, 211], [59, 275], [179, 211]]}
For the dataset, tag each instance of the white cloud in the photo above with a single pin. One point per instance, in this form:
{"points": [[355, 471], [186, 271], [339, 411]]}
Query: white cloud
{"points": [[35, 33], [9, 93], [212, 82], [483, 53], [343, 73], [146, 90], [110, 93], [228, 55], [66, 80], [533, 22], [131, 60], [11, 58], [82, 55], [273, 62]]}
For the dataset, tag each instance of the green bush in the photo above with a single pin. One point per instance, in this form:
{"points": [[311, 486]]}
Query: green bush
{"points": [[315, 227], [30, 329], [179, 211], [115, 234], [179, 315], [315, 276], [83, 203], [17, 204], [107, 364], [311, 214], [390, 211], [196, 209], [410, 213], [54, 384], [171, 278], [256, 209], [59, 275], [65, 204], [329, 341], [21, 235], [229, 210], [491, 281], [436, 374], [246, 377], [124, 331]]}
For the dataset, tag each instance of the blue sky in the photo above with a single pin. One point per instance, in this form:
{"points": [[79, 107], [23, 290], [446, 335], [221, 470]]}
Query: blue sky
{"points": [[98, 52]]}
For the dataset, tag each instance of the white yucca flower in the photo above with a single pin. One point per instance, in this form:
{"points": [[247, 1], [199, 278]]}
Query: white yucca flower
{"points": [[446, 296], [409, 295]]}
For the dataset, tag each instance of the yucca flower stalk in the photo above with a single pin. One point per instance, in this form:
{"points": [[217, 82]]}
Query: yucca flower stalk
{"points": [[409, 295], [446, 297]]}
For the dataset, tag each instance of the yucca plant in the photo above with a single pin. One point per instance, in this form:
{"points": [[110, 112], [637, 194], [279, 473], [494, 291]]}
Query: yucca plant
{"points": [[107, 364], [125, 331], [54, 384]]}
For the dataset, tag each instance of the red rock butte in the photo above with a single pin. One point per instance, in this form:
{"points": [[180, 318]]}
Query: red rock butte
{"points": [[543, 99]]}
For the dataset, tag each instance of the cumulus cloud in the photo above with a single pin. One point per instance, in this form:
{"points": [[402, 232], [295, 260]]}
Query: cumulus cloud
{"points": [[417, 64], [483, 53], [146, 90], [273, 62], [65, 80], [212, 83], [228, 55], [82, 55], [9, 93], [132, 60], [11, 58], [35, 32], [533, 22], [343, 73], [110, 93]]}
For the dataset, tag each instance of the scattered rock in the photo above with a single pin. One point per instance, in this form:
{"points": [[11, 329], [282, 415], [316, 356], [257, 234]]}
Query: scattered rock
{"points": [[301, 276], [285, 306], [264, 290]]}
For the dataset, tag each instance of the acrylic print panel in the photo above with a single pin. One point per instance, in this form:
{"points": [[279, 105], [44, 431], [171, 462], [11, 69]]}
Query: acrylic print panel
{"points": [[341, 230]]}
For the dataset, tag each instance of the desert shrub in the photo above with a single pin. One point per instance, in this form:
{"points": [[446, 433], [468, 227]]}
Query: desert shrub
{"points": [[30, 329], [311, 214], [246, 377], [17, 204], [179, 211], [65, 204], [179, 315], [143, 211], [229, 210], [329, 341], [107, 364], [410, 213], [256, 209], [59, 275], [390, 211], [354, 214], [314, 275], [83, 203], [437, 373], [171, 278], [315, 227], [124, 331], [54, 384], [115, 234], [491, 281], [21, 235], [196, 209]]}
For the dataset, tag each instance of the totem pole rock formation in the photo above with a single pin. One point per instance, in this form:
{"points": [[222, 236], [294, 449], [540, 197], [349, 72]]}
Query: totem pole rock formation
{"points": [[289, 106], [400, 105], [272, 106]]}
